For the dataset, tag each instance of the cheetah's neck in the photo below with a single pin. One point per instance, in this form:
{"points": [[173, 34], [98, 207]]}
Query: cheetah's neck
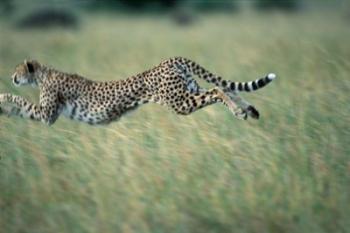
{"points": [[43, 73]]}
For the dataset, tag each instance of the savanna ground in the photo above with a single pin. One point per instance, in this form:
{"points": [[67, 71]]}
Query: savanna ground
{"points": [[154, 171]]}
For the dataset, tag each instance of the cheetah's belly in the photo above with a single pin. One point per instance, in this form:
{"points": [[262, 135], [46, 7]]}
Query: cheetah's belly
{"points": [[86, 113], [67, 110]]}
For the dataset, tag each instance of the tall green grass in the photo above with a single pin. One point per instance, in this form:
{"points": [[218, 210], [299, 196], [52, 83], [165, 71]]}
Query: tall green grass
{"points": [[153, 171]]}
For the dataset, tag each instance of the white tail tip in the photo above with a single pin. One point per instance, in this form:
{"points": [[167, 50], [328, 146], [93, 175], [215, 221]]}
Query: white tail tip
{"points": [[271, 76]]}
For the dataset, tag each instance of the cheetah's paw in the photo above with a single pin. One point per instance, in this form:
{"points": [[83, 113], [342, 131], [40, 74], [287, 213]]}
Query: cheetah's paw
{"points": [[252, 112], [240, 113], [243, 114]]}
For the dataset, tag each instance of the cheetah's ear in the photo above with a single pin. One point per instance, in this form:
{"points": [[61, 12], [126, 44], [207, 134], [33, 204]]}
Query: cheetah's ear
{"points": [[30, 66]]}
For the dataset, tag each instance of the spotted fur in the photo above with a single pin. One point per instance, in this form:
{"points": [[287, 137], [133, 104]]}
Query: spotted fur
{"points": [[171, 84]]}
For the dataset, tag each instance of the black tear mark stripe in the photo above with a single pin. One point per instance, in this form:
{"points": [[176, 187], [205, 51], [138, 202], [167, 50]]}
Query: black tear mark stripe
{"points": [[30, 67]]}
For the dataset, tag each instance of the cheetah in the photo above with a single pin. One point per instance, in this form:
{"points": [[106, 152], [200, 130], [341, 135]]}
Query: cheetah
{"points": [[170, 84]]}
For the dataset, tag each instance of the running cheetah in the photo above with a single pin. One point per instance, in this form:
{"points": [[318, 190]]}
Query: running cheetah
{"points": [[171, 84]]}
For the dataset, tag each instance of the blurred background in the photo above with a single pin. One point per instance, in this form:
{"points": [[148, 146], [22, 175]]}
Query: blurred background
{"points": [[154, 171]]}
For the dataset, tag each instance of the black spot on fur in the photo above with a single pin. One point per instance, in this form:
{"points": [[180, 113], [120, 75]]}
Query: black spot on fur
{"points": [[254, 86], [267, 80], [261, 83], [224, 83]]}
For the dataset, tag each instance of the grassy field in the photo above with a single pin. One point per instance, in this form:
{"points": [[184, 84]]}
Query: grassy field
{"points": [[154, 171]]}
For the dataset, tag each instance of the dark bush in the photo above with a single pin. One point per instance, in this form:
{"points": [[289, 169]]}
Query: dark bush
{"points": [[210, 5], [133, 5], [289, 5], [139, 5], [162, 5], [48, 17], [6, 7]]}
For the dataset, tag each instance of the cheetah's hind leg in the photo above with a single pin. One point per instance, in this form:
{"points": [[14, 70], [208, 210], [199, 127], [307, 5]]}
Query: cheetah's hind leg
{"points": [[239, 107], [245, 109], [204, 98]]}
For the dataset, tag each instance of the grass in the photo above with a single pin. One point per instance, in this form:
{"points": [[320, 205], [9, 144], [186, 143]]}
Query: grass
{"points": [[154, 171]]}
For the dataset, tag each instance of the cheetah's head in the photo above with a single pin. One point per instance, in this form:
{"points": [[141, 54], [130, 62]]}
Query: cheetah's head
{"points": [[25, 73]]}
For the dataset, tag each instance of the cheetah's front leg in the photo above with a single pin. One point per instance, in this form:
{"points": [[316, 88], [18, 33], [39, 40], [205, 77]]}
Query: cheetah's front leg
{"points": [[13, 105]]}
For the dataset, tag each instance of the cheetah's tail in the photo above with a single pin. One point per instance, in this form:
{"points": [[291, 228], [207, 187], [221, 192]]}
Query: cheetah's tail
{"points": [[225, 84], [247, 86]]}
